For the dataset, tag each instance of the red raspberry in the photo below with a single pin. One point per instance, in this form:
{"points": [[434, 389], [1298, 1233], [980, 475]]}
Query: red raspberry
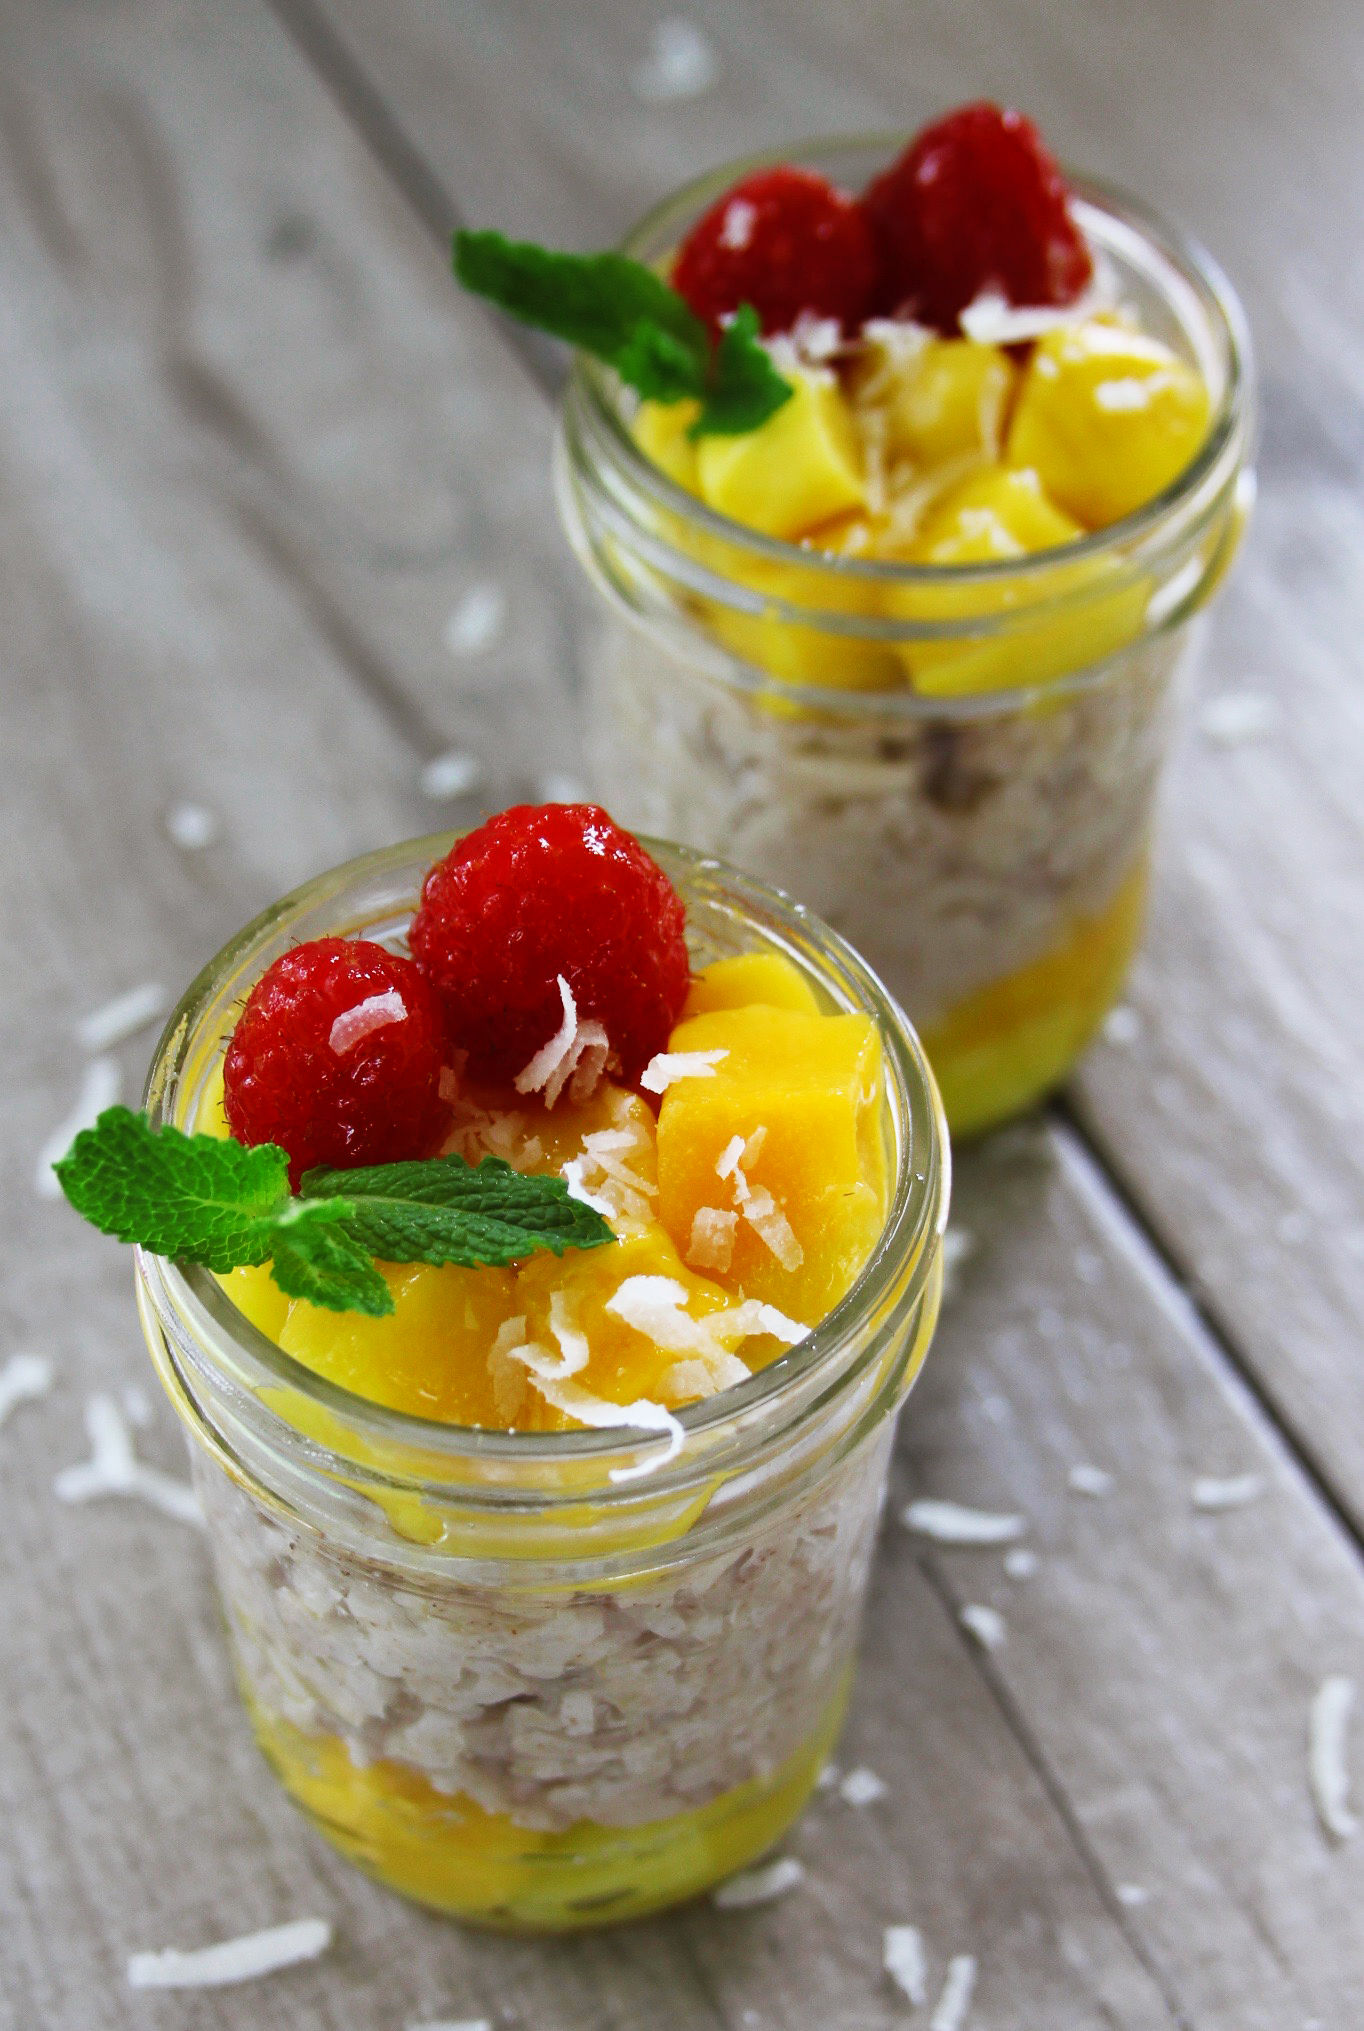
{"points": [[975, 203], [323, 1061], [785, 241], [541, 891]]}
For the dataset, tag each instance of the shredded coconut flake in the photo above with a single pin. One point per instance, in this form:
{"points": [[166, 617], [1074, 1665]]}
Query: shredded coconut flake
{"points": [[902, 1957], [577, 1051], [736, 227], [231, 1960], [987, 1625], [668, 1067], [862, 1787], [1095, 1482], [191, 827], [711, 1246], [563, 1323], [958, 1246], [453, 774], [375, 1012], [100, 1088], [1211, 1493], [453, 2024], [1121, 1028], [694, 1380], [114, 1469], [992, 321], [657, 1307], [558, 788], [950, 1523], [477, 621], [23, 1379], [681, 64], [828, 1778], [1238, 717], [550, 1377], [955, 2000], [772, 1227], [759, 1886], [731, 1156], [1132, 1894], [572, 1174], [1020, 1563], [117, 1020], [1328, 1770]]}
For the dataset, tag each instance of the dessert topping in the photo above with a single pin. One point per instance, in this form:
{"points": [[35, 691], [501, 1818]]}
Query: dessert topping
{"points": [[787, 242], [337, 1058], [204, 1199], [544, 895], [975, 206]]}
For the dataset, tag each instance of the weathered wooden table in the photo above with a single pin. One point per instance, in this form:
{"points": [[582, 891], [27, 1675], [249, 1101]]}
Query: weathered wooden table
{"points": [[274, 532]]}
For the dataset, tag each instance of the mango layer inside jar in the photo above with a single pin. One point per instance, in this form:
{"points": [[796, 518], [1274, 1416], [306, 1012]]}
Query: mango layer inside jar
{"points": [[762, 1180], [941, 452]]}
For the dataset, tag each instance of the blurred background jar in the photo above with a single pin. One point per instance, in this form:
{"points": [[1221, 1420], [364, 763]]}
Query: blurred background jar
{"points": [[953, 760]]}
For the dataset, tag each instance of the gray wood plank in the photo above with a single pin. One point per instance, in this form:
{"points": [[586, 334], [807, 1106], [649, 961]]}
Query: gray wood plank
{"points": [[1234, 1121]]}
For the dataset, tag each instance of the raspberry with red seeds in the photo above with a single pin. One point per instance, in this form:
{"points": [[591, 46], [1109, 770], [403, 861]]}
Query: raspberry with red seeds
{"points": [[538, 892], [337, 1057], [786, 241], [975, 204]]}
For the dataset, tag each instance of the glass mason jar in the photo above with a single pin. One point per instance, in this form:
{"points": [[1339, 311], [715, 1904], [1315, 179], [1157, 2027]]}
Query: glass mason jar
{"points": [[956, 766], [544, 1680]]}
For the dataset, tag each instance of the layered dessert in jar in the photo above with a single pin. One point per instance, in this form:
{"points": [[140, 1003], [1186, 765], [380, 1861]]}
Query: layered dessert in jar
{"points": [[897, 581], [537, 1241]]}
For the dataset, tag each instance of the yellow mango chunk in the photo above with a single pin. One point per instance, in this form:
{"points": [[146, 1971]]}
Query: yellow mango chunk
{"points": [[766, 978], [429, 1357], [800, 1095], [1107, 417], [997, 516], [812, 655], [802, 467], [944, 401], [660, 431]]}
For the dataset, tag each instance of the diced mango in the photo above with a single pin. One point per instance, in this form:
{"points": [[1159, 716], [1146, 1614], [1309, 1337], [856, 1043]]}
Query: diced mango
{"points": [[768, 979], [429, 1357], [803, 1092], [813, 655], [802, 467], [997, 516], [943, 402], [1108, 417], [660, 431]]}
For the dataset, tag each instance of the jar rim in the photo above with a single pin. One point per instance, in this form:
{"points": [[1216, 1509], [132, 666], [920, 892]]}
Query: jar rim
{"points": [[193, 1309], [1197, 275]]}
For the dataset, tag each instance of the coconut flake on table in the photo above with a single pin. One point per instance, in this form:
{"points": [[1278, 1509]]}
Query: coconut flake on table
{"points": [[955, 2000], [958, 1246], [114, 1469], [100, 1087], [477, 621], [1096, 1482], [23, 1379], [450, 775], [759, 1886], [557, 788], [987, 1625], [191, 827], [575, 1056], [1121, 1027], [375, 1012], [711, 1246], [862, 1787], [1212, 1492], [952, 1523], [1237, 717], [1020, 1563], [902, 1957], [1132, 1895], [453, 2024], [681, 63], [1327, 1767], [667, 1067], [231, 1960], [114, 1021]]}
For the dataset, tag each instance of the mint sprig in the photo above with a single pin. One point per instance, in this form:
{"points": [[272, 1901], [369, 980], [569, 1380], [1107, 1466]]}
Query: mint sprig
{"points": [[203, 1199], [625, 314]]}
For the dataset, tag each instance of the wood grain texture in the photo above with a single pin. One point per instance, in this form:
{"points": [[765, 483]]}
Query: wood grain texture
{"points": [[240, 596], [1236, 1119]]}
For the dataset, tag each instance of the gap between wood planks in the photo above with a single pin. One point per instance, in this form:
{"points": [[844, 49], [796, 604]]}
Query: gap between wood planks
{"points": [[355, 92]]}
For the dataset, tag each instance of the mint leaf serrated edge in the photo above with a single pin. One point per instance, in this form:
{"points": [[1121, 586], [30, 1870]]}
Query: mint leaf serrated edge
{"points": [[445, 1210], [213, 1201], [623, 313]]}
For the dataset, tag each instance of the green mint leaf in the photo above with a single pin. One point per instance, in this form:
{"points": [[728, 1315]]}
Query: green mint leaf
{"points": [[446, 1210], [744, 388], [596, 301], [317, 1258], [195, 1197], [659, 366]]}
